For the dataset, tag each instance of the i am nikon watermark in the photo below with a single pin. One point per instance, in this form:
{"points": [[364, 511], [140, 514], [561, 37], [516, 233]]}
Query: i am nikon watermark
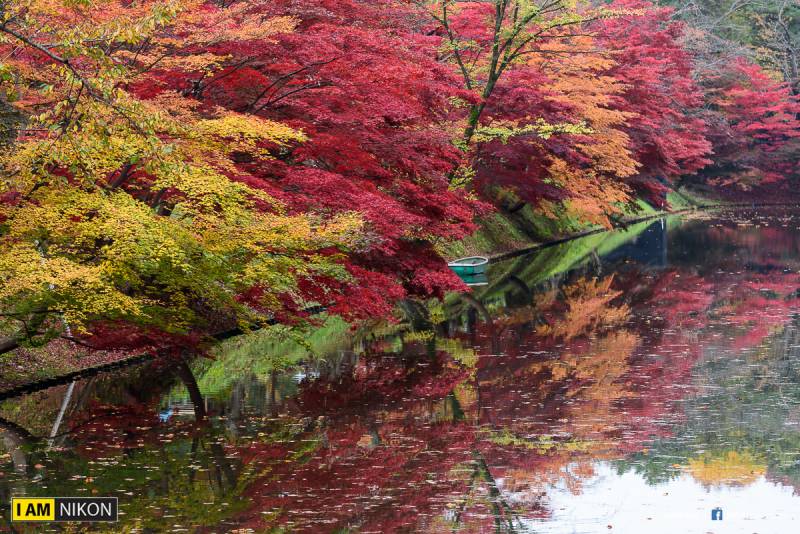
{"points": [[64, 509]]}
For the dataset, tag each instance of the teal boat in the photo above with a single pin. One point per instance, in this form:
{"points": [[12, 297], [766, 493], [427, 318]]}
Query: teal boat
{"points": [[473, 280], [469, 266]]}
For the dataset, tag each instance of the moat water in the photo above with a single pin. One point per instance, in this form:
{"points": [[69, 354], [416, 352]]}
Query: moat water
{"points": [[629, 382]]}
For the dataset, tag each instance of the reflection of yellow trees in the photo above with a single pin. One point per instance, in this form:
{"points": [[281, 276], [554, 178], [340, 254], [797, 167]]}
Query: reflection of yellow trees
{"points": [[592, 374], [729, 468], [418, 336], [590, 367], [466, 394], [456, 349], [511, 317], [588, 309], [583, 380], [541, 444]]}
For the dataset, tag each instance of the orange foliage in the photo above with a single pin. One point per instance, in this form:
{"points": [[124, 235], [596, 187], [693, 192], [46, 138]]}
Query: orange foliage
{"points": [[588, 309], [578, 80]]}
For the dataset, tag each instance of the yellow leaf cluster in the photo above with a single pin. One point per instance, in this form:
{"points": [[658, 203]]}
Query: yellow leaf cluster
{"points": [[131, 210]]}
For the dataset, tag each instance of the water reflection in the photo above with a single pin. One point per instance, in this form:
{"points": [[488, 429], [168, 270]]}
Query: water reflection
{"points": [[624, 381]]}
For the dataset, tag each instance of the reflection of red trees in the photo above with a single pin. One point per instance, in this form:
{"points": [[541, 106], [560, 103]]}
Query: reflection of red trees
{"points": [[384, 379], [402, 442], [103, 429], [731, 309], [675, 312], [537, 409], [383, 460], [385, 487]]}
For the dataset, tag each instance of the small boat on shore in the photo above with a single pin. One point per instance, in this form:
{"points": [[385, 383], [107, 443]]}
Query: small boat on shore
{"points": [[469, 266], [474, 280]]}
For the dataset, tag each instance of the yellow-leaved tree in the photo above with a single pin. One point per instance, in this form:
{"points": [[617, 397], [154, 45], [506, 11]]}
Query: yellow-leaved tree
{"points": [[118, 210]]}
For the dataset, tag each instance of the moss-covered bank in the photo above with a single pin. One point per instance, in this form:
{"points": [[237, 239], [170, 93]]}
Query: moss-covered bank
{"points": [[502, 232]]}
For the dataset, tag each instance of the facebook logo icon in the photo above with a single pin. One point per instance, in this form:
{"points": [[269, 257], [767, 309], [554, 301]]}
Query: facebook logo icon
{"points": [[716, 514]]}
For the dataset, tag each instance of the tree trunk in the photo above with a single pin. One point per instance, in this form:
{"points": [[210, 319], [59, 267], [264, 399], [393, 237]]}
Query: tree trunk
{"points": [[8, 344]]}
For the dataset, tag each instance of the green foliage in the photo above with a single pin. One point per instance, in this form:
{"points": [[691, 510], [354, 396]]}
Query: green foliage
{"points": [[269, 350], [540, 444], [501, 131]]}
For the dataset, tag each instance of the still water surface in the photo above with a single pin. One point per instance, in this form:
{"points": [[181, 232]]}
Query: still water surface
{"points": [[627, 382]]}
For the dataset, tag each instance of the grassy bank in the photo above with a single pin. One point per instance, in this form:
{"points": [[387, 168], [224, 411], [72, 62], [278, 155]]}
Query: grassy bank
{"points": [[503, 232]]}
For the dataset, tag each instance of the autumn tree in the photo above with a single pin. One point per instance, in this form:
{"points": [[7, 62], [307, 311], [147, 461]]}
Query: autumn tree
{"points": [[487, 39], [512, 127], [756, 130], [375, 106], [120, 209], [745, 60], [668, 133]]}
